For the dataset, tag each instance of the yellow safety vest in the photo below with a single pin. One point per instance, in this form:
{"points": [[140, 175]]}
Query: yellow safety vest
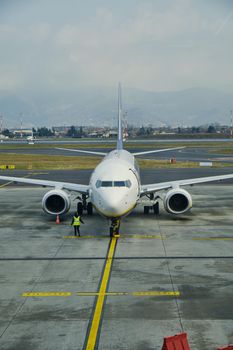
{"points": [[76, 221]]}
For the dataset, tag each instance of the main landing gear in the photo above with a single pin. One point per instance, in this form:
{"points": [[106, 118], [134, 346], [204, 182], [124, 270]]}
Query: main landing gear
{"points": [[114, 228], [84, 205], [150, 204]]}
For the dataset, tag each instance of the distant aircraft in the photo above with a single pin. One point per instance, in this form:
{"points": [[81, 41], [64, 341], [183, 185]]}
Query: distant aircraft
{"points": [[31, 139], [115, 189]]}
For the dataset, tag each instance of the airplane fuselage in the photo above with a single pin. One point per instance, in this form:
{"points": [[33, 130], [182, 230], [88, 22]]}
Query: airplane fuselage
{"points": [[115, 184]]}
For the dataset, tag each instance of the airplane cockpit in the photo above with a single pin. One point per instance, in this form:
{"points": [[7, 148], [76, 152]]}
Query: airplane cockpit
{"points": [[126, 183]]}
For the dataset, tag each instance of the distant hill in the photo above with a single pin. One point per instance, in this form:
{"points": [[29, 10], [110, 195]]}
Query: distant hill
{"points": [[98, 106]]}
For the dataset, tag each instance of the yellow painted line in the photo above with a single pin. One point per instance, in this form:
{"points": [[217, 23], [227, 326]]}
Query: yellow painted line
{"points": [[100, 301], [91, 294], [143, 236], [122, 236], [213, 238], [38, 174], [84, 237], [10, 182], [47, 294], [7, 183], [138, 294]]}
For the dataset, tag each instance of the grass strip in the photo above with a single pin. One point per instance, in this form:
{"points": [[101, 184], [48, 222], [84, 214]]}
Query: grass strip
{"points": [[51, 162]]}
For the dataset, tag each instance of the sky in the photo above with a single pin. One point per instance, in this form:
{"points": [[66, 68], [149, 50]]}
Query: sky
{"points": [[154, 45]]}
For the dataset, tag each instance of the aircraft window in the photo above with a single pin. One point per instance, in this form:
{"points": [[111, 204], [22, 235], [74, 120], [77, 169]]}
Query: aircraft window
{"points": [[106, 183], [98, 184], [119, 183], [128, 183]]}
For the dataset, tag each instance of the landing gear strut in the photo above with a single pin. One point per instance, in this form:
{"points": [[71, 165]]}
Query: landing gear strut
{"points": [[114, 228], [84, 205]]}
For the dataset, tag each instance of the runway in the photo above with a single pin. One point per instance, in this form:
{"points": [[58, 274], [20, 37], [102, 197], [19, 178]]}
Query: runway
{"points": [[164, 275]]}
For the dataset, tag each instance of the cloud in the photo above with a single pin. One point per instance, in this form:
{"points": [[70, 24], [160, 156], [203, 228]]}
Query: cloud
{"points": [[158, 45]]}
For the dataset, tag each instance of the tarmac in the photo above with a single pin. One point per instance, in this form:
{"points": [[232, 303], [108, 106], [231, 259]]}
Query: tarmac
{"points": [[191, 154], [164, 275]]}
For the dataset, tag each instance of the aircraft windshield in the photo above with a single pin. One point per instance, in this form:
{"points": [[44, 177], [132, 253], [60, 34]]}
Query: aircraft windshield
{"points": [[119, 183], [106, 183], [100, 183]]}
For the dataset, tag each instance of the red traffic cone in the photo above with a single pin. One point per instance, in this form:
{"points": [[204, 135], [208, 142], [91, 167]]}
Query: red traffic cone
{"points": [[58, 220]]}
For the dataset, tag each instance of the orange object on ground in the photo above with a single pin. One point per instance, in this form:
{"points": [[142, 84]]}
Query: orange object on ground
{"points": [[176, 342], [58, 220], [228, 347]]}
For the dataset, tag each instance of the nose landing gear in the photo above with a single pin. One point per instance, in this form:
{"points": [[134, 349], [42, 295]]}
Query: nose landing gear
{"points": [[114, 228], [84, 205]]}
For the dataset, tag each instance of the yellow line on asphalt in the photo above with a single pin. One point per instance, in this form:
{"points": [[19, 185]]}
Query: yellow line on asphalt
{"points": [[122, 236], [8, 183], [38, 173], [213, 238], [46, 294], [143, 236], [101, 297], [93, 294], [138, 294], [83, 237]]}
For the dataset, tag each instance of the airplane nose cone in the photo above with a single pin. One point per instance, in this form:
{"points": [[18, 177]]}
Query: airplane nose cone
{"points": [[113, 205]]}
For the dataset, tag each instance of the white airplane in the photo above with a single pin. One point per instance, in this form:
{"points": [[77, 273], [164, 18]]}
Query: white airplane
{"points": [[115, 189]]}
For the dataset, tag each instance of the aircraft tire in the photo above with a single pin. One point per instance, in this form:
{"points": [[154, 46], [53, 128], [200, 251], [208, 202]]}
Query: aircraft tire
{"points": [[156, 208], [80, 208], [146, 209], [89, 208]]}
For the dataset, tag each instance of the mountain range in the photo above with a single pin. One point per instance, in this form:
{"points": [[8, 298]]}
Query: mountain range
{"points": [[98, 107]]}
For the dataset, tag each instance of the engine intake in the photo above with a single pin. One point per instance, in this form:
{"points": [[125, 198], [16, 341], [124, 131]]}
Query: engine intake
{"points": [[177, 201], [56, 202]]}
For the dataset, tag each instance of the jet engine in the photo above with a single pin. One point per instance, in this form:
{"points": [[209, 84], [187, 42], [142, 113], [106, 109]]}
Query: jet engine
{"points": [[177, 201], [56, 202]]}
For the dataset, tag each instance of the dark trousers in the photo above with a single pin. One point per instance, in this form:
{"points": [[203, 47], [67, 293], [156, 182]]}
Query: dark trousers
{"points": [[76, 229]]}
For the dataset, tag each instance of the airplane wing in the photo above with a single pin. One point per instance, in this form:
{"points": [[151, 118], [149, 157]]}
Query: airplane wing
{"points": [[46, 183], [156, 151], [82, 151], [145, 189]]}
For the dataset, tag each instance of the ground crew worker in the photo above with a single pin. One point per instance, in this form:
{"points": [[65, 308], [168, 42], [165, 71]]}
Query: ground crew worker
{"points": [[76, 221]]}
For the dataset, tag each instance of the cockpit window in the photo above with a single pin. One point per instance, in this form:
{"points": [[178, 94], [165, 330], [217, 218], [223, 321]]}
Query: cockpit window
{"points": [[106, 183], [128, 183], [100, 183], [119, 184]]}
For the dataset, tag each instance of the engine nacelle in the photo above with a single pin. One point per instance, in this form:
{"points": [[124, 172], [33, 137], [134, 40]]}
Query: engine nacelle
{"points": [[56, 202], [177, 201]]}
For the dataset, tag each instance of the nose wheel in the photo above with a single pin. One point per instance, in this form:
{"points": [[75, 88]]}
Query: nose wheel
{"points": [[114, 228]]}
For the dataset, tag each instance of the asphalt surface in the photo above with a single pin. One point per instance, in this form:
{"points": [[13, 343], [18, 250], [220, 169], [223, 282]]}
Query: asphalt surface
{"points": [[166, 275], [200, 154]]}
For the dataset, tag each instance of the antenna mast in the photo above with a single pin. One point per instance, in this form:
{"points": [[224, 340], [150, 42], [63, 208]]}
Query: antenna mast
{"points": [[231, 124], [1, 124]]}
